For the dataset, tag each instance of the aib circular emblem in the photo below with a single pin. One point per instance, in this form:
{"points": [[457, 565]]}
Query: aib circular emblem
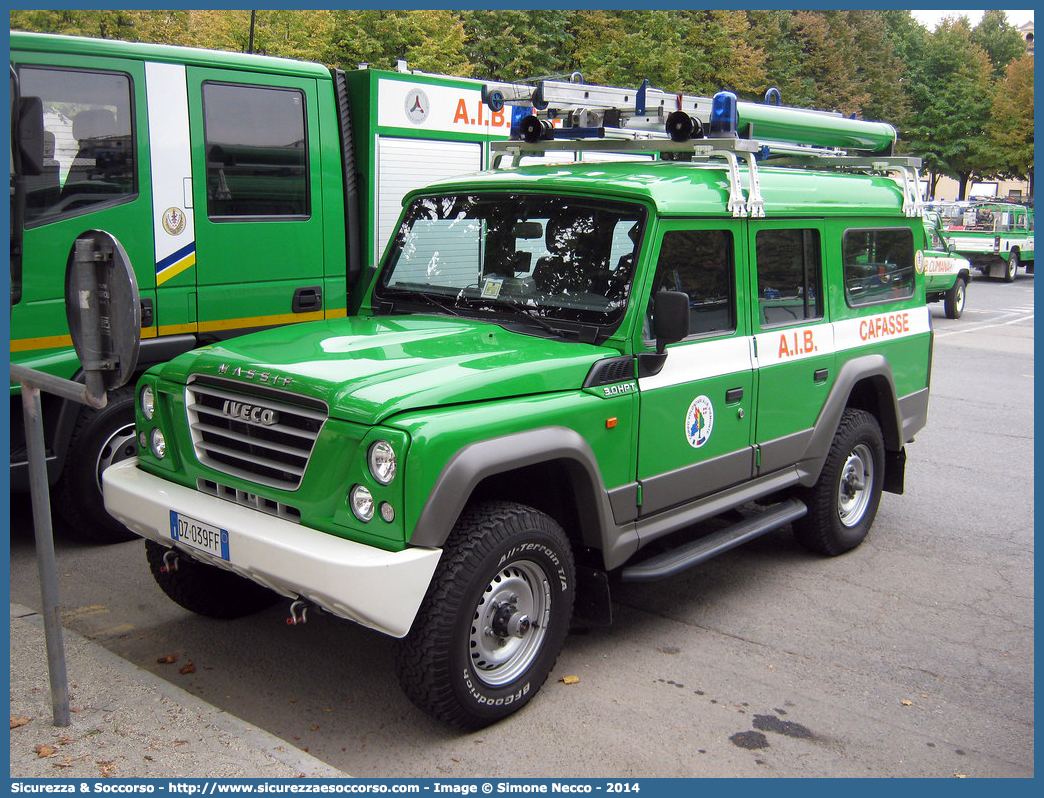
{"points": [[699, 422], [174, 221], [417, 106]]}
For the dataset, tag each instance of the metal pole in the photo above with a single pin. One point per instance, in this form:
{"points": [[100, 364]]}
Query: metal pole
{"points": [[253, 17], [31, 412]]}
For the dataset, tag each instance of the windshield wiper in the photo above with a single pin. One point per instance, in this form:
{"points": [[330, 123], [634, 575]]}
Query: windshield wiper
{"points": [[517, 310], [435, 303]]}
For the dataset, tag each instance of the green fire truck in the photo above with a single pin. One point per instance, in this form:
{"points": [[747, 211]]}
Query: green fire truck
{"points": [[247, 191], [554, 374], [996, 237]]}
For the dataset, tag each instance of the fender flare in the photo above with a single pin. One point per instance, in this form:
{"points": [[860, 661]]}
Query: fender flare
{"points": [[477, 461], [878, 371]]}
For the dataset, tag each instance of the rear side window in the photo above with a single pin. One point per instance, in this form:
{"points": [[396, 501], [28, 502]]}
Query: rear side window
{"points": [[89, 142], [878, 265], [256, 151], [790, 276]]}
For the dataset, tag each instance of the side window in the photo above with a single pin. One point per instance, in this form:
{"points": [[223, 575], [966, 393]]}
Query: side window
{"points": [[700, 263], [878, 265], [790, 276], [256, 151], [89, 141]]}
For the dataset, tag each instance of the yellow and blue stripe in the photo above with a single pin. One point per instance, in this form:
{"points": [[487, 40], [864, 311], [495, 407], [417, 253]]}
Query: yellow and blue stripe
{"points": [[175, 263]]}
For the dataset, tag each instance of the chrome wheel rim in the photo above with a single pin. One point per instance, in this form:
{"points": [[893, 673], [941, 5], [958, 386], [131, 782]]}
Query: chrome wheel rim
{"points": [[119, 446], [854, 489], [959, 304], [510, 623]]}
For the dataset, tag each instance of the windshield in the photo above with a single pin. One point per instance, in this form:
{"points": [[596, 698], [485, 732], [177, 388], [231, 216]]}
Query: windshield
{"points": [[566, 262]]}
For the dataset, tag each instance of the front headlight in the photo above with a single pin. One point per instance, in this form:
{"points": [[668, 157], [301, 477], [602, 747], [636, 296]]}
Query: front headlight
{"points": [[382, 462], [148, 402]]}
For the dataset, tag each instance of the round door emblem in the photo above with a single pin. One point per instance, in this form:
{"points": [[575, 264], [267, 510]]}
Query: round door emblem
{"points": [[699, 422], [174, 221]]}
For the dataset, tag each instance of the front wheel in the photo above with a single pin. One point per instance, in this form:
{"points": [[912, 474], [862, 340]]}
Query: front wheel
{"points": [[1013, 266], [205, 589], [953, 302], [494, 619], [843, 502]]}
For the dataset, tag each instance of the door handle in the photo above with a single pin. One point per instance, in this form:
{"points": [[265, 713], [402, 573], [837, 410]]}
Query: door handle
{"points": [[820, 375], [308, 298], [733, 395]]}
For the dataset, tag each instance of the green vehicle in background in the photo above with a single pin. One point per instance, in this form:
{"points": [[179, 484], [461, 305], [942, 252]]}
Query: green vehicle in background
{"points": [[553, 374], [996, 237], [946, 274]]}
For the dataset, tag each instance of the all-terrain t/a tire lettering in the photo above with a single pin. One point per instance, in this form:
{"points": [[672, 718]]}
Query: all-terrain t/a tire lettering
{"points": [[494, 619]]}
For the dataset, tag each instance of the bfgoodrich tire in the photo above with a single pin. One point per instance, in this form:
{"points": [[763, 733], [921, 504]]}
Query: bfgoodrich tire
{"points": [[494, 619], [953, 302], [205, 589], [101, 438], [843, 503]]}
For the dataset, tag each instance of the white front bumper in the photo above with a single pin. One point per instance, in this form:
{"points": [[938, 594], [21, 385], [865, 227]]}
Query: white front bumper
{"points": [[376, 588]]}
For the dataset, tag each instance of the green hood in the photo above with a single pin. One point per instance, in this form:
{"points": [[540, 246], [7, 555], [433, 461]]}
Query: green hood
{"points": [[368, 369]]}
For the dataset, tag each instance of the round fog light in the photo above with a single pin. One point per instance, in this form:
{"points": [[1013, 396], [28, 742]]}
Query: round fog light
{"points": [[362, 503], [387, 512], [148, 402], [158, 444]]}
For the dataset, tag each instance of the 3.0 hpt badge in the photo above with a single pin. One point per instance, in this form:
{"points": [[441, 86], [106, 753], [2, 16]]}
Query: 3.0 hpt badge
{"points": [[699, 421]]}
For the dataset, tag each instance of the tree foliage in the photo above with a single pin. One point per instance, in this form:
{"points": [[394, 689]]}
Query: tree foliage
{"points": [[962, 97]]}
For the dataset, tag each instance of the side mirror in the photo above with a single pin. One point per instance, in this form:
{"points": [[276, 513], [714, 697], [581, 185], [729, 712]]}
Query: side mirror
{"points": [[670, 318], [30, 141]]}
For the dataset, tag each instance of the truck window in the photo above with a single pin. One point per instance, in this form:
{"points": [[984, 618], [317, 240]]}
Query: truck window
{"points": [[699, 263], [89, 142], [790, 276], [256, 151], [878, 265]]}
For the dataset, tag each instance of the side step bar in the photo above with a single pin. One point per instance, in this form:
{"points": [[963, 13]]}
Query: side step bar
{"points": [[677, 560]]}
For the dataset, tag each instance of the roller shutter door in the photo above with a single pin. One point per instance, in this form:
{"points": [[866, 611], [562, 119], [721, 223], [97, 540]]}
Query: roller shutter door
{"points": [[406, 164]]}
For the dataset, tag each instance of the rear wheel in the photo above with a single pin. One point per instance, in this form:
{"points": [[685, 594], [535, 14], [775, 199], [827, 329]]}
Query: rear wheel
{"points": [[495, 617], [953, 302], [843, 503], [101, 438], [1012, 267], [205, 589]]}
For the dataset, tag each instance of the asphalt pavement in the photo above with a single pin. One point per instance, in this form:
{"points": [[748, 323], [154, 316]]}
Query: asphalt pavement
{"points": [[128, 723]]}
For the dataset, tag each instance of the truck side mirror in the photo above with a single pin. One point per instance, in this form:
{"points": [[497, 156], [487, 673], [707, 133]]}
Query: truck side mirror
{"points": [[31, 135], [670, 318]]}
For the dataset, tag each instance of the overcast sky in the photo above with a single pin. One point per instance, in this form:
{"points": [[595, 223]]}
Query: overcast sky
{"points": [[930, 18]]}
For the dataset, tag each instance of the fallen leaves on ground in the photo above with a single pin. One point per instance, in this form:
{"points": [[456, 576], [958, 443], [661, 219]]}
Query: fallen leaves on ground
{"points": [[19, 720], [167, 660], [187, 668], [569, 679], [43, 750]]}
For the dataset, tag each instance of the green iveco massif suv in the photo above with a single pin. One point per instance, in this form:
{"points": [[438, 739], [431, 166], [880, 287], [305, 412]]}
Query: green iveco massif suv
{"points": [[553, 367]]}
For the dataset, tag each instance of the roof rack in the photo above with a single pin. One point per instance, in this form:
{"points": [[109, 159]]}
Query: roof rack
{"points": [[569, 116]]}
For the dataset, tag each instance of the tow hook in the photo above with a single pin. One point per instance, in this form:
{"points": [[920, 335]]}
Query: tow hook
{"points": [[170, 562], [298, 613]]}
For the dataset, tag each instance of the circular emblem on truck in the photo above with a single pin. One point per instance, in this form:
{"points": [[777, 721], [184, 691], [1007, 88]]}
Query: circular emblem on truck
{"points": [[919, 262], [417, 106], [174, 221], [699, 422]]}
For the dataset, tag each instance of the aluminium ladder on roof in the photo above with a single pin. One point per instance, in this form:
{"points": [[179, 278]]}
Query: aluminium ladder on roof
{"points": [[637, 120]]}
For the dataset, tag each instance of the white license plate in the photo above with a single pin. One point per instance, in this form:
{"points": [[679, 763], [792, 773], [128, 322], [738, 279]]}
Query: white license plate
{"points": [[199, 535]]}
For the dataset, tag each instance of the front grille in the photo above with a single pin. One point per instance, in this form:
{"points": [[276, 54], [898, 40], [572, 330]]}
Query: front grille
{"points": [[247, 499], [250, 432]]}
